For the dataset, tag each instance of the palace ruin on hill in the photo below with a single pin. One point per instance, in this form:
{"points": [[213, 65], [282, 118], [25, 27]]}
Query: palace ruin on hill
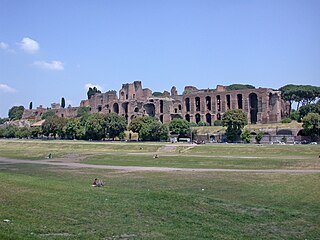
{"points": [[262, 105]]}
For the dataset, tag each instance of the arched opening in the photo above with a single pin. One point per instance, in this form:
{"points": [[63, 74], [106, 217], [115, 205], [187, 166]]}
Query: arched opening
{"points": [[284, 132], [161, 118], [187, 117], [187, 104], [136, 109], [150, 109], [218, 116], [239, 100], [218, 103], [99, 108], [253, 102], [198, 118], [197, 104], [228, 102], [208, 119], [161, 106], [179, 107], [116, 108], [208, 103], [125, 107]]}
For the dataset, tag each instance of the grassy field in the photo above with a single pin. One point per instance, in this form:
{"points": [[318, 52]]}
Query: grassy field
{"points": [[49, 202]]}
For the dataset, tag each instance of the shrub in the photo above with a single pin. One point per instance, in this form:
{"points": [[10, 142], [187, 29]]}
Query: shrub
{"points": [[286, 120], [217, 123]]}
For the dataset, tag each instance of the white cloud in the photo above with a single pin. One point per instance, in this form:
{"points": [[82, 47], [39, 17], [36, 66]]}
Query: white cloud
{"points": [[90, 85], [29, 45], [6, 88], [53, 65], [4, 45]]}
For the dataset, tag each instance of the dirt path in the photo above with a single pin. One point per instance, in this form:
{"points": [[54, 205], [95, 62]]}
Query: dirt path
{"points": [[154, 169]]}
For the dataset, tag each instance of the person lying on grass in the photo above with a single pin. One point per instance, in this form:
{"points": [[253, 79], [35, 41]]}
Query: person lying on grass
{"points": [[97, 183]]}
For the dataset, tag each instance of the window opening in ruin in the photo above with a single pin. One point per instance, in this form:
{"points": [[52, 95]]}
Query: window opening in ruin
{"points": [[125, 107], [218, 116], [101, 100], [208, 119], [239, 99], [99, 108], [107, 105], [126, 96], [188, 117], [136, 109], [208, 103], [179, 107], [175, 110], [133, 96], [228, 102], [197, 118], [161, 106], [116, 108], [253, 102], [150, 109], [62, 115], [161, 118], [218, 103], [187, 104], [197, 104]]}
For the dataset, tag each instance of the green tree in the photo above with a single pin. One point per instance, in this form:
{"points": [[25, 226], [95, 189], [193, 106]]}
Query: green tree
{"points": [[10, 131], [74, 129], [92, 91], [309, 108], [300, 94], [30, 105], [115, 125], [259, 137], [149, 129], [83, 112], [311, 125], [246, 136], [47, 114], [53, 126], [95, 126], [63, 102], [35, 132], [137, 123], [239, 87], [234, 120], [180, 127], [15, 113], [23, 132]]}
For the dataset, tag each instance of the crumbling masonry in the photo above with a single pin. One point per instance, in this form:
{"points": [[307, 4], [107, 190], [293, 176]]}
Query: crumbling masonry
{"points": [[262, 105]]}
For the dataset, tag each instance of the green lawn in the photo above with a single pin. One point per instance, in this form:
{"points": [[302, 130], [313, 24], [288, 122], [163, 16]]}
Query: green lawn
{"points": [[44, 202], [51, 202]]}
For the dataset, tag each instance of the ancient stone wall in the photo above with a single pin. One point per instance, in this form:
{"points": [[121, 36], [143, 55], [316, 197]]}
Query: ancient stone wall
{"points": [[262, 105]]}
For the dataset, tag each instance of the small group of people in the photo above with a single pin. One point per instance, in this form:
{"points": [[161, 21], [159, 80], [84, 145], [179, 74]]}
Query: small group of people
{"points": [[97, 183]]}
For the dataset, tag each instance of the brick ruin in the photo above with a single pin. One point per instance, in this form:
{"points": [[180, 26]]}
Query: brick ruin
{"points": [[262, 105]]}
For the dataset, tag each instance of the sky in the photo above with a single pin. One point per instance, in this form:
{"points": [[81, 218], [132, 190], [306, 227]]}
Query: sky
{"points": [[56, 48]]}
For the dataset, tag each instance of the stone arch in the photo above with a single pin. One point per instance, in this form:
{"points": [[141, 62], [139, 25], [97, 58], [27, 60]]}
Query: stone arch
{"points": [[198, 118], [116, 108], [161, 106], [284, 132], [209, 119], [150, 109], [253, 103]]}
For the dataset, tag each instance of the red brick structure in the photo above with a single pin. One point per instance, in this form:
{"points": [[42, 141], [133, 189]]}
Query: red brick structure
{"points": [[262, 105]]}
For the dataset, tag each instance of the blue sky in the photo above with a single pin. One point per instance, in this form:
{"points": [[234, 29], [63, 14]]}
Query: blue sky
{"points": [[52, 49]]}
